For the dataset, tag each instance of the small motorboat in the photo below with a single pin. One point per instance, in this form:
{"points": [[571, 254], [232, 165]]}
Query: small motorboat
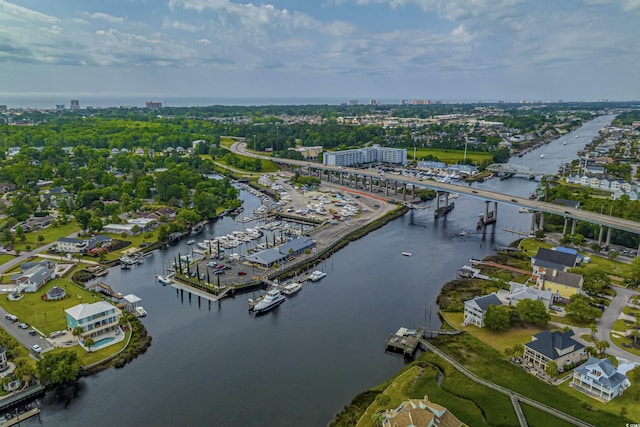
{"points": [[407, 254], [541, 156]]}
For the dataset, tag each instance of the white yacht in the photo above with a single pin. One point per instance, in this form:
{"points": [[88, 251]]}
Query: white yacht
{"points": [[407, 254], [141, 311], [163, 280], [291, 288], [317, 275], [269, 301]]}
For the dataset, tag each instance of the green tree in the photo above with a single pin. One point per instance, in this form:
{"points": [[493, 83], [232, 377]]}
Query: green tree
{"points": [[497, 318], [20, 233], [635, 270], [82, 218], [596, 280], [59, 368], [533, 312], [602, 346], [89, 342], [581, 311], [551, 369]]}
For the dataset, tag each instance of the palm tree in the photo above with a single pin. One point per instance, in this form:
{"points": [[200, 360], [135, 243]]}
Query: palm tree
{"points": [[635, 300], [518, 350], [602, 346], [88, 343], [634, 334], [509, 352], [594, 329], [77, 332]]}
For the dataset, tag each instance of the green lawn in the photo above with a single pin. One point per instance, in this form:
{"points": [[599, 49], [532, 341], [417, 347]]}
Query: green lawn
{"points": [[530, 246], [451, 156], [628, 400], [472, 403], [630, 311], [490, 364], [48, 316], [5, 258], [537, 418], [51, 234], [226, 142], [620, 341], [498, 340], [87, 358]]}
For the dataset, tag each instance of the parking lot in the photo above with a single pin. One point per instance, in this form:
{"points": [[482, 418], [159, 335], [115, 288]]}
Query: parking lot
{"points": [[27, 336]]}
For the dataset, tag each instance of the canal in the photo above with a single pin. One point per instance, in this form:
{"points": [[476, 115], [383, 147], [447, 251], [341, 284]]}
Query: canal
{"points": [[214, 364]]}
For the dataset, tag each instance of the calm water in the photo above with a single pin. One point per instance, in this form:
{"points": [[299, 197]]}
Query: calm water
{"points": [[300, 364]]}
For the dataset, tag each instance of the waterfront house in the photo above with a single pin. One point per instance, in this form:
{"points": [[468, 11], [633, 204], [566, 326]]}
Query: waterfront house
{"points": [[476, 308], [132, 301], [547, 259], [600, 379], [518, 292], [96, 320], [71, 245], [33, 276], [562, 284], [420, 413], [547, 346], [574, 178]]}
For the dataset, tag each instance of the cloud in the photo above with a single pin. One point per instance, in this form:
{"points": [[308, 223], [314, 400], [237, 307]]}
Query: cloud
{"points": [[168, 24], [105, 17]]}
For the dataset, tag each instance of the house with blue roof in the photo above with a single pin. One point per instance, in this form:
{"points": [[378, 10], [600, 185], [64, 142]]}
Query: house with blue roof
{"points": [[598, 378]]}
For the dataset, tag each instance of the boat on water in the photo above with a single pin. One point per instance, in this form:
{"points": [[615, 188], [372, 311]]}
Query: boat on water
{"points": [[317, 275], [269, 301], [564, 142], [163, 279], [462, 233], [291, 288], [541, 156], [407, 254], [524, 210], [191, 241], [141, 311]]}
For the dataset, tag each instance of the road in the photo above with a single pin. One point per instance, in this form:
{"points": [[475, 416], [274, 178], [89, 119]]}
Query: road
{"points": [[591, 217], [610, 315], [22, 335]]}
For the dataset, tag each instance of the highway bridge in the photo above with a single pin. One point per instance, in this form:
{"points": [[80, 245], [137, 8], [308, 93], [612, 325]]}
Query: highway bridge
{"points": [[486, 195]]}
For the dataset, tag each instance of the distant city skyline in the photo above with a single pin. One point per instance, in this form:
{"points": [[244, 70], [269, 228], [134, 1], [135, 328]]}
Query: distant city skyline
{"points": [[387, 50]]}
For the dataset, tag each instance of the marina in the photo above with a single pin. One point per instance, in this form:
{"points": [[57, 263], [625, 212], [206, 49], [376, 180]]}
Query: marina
{"points": [[360, 271]]}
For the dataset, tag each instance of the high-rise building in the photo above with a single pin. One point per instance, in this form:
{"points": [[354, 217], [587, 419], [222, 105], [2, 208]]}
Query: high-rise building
{"points": [[3, 108], [361, 156], [75, 104], [153, 105], [59, 107]]}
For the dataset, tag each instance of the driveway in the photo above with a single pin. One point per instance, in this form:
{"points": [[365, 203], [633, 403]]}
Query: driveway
{"points": [[610, 315]]}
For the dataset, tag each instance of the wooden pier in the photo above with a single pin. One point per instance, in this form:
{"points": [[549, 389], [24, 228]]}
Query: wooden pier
{"points": [[407, 341]]}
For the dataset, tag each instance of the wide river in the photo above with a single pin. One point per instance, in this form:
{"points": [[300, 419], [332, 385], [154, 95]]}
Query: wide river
{"points": [[300, 364]]}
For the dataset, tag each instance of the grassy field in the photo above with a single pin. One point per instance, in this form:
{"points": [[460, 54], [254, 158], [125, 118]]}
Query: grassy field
{"points": [[435, 378], [50, 234], [5, 258], [48, 316], [451, 156], [489, 364], [498, 340], [538, 418], [530, 246], [620, 341], [87, 358]]}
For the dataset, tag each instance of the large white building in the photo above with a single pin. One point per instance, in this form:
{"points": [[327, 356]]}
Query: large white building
{"points": [[360, 156]]}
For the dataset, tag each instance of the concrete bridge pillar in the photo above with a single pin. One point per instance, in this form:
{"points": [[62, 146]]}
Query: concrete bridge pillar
{"points": [[532, 230], [341, 179], [564, 228], [446, 199], [495, 211], [573, 226], [395, 187], [437, 200], [600, 235], [485, 218], [386, 188], [542, 221], [413, 191], [608, 239], [404, 191], [371, 185]]}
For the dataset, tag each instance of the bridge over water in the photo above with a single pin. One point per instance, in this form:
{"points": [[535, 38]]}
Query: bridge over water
{"points": [[570, 214]]}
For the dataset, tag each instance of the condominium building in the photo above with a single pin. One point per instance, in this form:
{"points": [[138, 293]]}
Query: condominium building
{"points": [[367, 155]]}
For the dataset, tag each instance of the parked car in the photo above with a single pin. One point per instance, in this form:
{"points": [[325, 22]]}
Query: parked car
{"points": [[23, 326], [33, 333], [36, 348], [242, 273], [11, 317], [218, 272]]}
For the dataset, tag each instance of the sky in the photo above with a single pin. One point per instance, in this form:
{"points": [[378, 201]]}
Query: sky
{"points": [[450, 50]]}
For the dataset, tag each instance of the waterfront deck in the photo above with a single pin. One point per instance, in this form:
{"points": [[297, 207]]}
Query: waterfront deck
{"points": [[407, 341]]}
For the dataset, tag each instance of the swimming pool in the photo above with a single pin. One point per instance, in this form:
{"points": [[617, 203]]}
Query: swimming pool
{"points": [[102, 342]]}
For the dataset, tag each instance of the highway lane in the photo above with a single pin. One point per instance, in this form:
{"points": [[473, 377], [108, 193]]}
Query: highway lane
{"points": [[536, 205]]}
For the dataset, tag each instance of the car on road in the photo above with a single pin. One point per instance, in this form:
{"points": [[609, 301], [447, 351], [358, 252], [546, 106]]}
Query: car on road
{"points": [[242, 273], [11, 317], [474, 191], [514, 200], [33, 333], [36, 348], [23, 326]]}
